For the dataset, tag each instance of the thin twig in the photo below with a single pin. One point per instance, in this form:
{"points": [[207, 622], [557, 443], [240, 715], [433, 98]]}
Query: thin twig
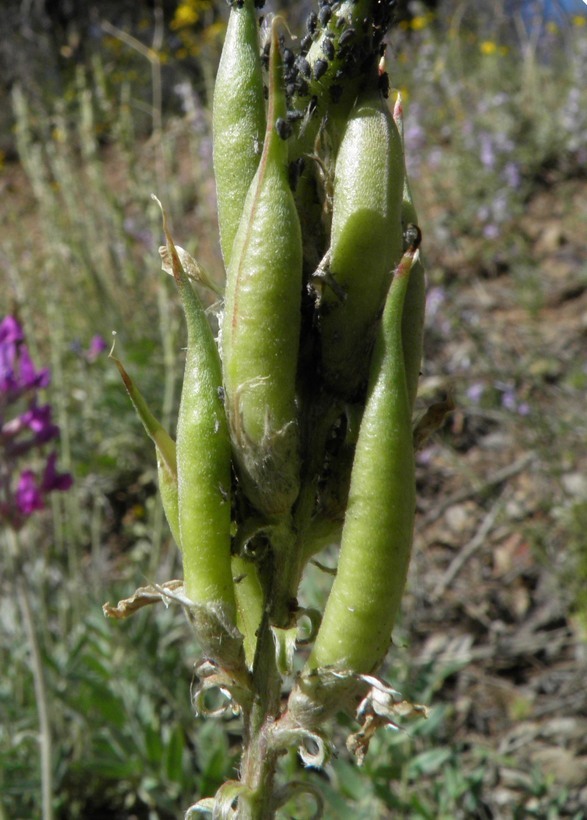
{"points": [[469, 549], [476, 489]]}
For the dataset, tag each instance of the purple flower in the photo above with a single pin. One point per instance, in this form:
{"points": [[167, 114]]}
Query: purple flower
{"points": [[508, 399], [38, 419], [28, 496], [487, 151], [512, 175], [10, 331], [97, 346], [475, 392], [435, 299], [29, 377], [28, 428], [490, 231], [17, 371], [53, 480]]}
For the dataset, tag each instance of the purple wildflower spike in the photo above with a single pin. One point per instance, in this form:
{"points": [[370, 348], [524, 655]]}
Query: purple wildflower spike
{"points": [[30, 426]]}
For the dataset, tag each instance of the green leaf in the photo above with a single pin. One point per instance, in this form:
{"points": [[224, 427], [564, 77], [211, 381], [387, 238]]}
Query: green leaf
{"points": [[428, 762]]}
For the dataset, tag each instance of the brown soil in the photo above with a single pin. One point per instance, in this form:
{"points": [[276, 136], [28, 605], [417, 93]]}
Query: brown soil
{"points": [[496, 579]]}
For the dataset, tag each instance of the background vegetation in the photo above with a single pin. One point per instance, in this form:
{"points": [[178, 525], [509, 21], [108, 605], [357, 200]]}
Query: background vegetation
{"points": [[113, 106]]}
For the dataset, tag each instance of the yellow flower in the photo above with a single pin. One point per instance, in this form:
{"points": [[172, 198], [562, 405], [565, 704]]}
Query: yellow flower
{"points": [[488, 47], [420, 22], [58, 134], [579, 20], [551, 27], [186, 14]]}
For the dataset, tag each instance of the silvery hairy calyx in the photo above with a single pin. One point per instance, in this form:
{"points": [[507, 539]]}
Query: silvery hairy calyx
{"points": [[294, 432]]}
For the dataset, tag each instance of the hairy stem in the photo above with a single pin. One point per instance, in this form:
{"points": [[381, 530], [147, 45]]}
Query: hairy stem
{"points": [[258, 761]]}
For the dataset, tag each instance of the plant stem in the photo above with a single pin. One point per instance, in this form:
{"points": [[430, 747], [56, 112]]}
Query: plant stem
{"points": [[39, 684], [258, 761]]}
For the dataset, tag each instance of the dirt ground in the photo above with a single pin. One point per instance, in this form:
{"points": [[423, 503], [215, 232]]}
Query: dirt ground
{"points": [[502, 516]]}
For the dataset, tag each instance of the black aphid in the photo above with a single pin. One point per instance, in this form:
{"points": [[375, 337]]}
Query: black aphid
{"points": [[302, 87], [295, 170], [346, 36], [303, 67], [324, 14], [283, 128], [328, 48], [320, 69], [305, 44], [265, 55]]}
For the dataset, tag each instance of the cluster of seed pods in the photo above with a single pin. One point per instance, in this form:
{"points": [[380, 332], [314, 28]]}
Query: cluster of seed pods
{"points": [[295, 426]]}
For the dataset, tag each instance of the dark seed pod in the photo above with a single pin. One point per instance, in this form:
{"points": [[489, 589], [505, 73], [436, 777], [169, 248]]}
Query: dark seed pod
{"points": [[320, 69], [312, 22], [288, 57], [295, 115]]}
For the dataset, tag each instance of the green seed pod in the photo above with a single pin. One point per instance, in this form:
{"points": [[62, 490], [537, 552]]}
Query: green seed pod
{"points": [[238, 119], [378, 528], [366, 243], [203, 461], [338, 61], [165, 449], [414, 308], [249, 603], [261, 323]]}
